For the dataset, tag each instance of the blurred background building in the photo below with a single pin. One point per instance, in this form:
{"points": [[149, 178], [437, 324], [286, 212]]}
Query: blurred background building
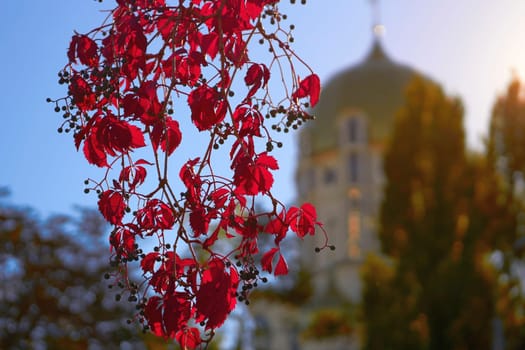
{"points": [[340, 171]]}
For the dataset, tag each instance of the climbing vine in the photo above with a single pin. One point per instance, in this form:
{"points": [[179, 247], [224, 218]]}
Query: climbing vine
{"points": [[131, 84]]}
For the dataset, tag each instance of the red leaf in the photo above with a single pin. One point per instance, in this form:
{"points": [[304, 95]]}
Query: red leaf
{"points": [[143, 103], [133, 175], [309, 86], [143, 162], [303, 221], [111, 205], [255, 7], [81, 92], [206, 106], [219, 197], [188, 67], [123, 240], [213, 237], [253, 177], [278, 227], [167, 134], [166, 23], [85, 49], [192, 181], [199, 221], [236, 50], [266, 260], [148, 262], [257, 76], [188, 338], [93, 151], [153, 314], [148, 4], [267, 161], [117, 136], [177, 312], [210, 44], [253, 75], [281, 268], [156, 215], [216, 294], [250, 120]]}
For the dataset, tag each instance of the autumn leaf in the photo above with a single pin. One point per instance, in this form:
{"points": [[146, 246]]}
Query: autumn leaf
{"points": [[81, 92], [122, 239], [206, 106], [303, 220], [188, 338], [215, 298], [134, 175], [117, 136], [257, 76], [85, 49], [177, 312], [148, 262], [111, 205], [153, 314], [278, 227], [156, 215], [266, 260], [281, 268], [309, 87], [253, 176], [94, 151]]}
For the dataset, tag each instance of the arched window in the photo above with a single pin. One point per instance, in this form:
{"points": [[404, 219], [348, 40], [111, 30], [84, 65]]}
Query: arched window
{"points": [[353, 167], [353, 130], [329, 176]]}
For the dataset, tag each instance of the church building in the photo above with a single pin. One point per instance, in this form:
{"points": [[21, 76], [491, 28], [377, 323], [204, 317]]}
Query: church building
{"points": [[340, 171]]}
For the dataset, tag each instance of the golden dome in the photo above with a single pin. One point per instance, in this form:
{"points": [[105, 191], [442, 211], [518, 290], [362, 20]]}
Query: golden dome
{"points": [[375, 87]]}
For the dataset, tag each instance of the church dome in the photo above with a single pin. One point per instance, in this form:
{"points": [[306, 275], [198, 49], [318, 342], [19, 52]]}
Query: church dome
{"points": [[375, 87]]}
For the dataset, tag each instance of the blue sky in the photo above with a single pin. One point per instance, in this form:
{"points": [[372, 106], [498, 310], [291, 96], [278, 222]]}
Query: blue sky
{"points": [[470, 46]]}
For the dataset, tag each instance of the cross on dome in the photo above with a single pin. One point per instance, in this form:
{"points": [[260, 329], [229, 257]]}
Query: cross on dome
{"points": [[377, 27]]}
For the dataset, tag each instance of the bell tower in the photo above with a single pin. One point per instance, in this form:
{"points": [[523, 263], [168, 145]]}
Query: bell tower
{"points": [[340, 166]]}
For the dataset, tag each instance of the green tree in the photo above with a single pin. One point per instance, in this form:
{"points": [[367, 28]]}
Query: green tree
{"points": [[437, 277], [382, 303]]}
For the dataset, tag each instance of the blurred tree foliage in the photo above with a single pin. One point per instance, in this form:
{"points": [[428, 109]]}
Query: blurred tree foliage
{"points": [[53, 294], [443, 216], [506, 158], [328, 323]]}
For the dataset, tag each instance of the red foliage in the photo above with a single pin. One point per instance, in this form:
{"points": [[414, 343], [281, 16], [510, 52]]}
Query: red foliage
{"points": [[167, 134], [122, 240], [111, 205], [81, 94], [123, 78], [188, 338], [134, 175], [207, 107], [310, 86], [85, 49], [303, 220], [252, 176], [216, 293], [155, 215]]}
